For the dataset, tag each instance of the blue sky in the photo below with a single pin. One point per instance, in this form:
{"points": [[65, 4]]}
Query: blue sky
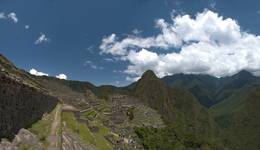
{"points": [[70, 34]]}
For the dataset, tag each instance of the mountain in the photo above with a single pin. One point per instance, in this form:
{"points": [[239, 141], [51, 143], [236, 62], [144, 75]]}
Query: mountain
{"points": [[201, 86], [238, 116], [233, 102], [190, 122], [210, 90]]}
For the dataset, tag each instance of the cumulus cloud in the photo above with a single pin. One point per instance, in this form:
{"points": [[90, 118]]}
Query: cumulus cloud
{"points": [[62, 76], [164, 40], [12, 16], [207, 44], [41, 39], [37, 73]]}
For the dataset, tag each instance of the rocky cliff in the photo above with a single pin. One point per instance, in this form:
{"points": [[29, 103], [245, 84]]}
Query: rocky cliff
{"points": [[20, 104]]}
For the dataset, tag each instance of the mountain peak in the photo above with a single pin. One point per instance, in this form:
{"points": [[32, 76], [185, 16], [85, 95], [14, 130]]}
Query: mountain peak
{"points": [[244, 73], [149, 74]]}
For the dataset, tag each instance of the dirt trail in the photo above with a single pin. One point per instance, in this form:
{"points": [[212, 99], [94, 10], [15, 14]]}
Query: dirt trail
{"points": [[53, 137]]}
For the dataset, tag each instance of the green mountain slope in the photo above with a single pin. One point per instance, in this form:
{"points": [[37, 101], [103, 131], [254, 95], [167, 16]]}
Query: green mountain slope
{"points": [[233, 103], [211, 90], [239, 118], [201, 86], [188, 123]]}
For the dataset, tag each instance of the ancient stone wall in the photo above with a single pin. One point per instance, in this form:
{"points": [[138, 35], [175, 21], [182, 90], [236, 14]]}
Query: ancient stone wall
{"points": [[21, 105]]}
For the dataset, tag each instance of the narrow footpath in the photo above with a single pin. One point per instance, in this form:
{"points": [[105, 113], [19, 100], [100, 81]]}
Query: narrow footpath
{"points": [[53, 137]]}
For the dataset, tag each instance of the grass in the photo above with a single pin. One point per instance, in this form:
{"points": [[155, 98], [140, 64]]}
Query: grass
{"points": [[26, 147], [42, 127], [86, 136], [89, 114], [78, 129], [59, 133], [103, 144], [70, 121]]}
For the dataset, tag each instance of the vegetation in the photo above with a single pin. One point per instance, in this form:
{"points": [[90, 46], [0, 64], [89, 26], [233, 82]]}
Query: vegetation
{"points": [[95, 139], [239, 119], [26, 147], [130, 113], [42, 127]]}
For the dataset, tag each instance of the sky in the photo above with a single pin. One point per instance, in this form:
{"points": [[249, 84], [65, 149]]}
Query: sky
{"points": [[114, 42]]}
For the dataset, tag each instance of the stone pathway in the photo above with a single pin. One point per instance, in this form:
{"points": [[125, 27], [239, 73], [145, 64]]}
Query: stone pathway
{"points": [[53, 138]]}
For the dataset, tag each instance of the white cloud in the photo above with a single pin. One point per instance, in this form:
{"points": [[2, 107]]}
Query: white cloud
{"points": [[37, 73], [92, 65], [62, 76], [132, 79], [41, 39], [26, 26], [13, 17], [207, 44], [136, 31], [2, 15], [167, 39]]}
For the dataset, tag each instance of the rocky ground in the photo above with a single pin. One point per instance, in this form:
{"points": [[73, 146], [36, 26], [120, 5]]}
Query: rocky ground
{"points": [[23, 140]]}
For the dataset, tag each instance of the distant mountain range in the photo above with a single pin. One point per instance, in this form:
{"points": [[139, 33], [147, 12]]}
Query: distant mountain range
{"points": [[210, 90], [198, 111]]}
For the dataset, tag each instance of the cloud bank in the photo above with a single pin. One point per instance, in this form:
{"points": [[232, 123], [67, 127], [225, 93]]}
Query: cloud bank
{"points": [[205, 44]]}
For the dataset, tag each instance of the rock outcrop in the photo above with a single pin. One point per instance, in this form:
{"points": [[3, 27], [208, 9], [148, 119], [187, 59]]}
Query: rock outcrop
{"points": [[23, 140]]}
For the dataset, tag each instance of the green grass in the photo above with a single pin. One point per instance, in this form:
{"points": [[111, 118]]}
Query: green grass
{"points": [[70, 121], [86, 136], [59, 133], [78, 129], [103, 144], [42, 127], [26, 147], [88, 114]]}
